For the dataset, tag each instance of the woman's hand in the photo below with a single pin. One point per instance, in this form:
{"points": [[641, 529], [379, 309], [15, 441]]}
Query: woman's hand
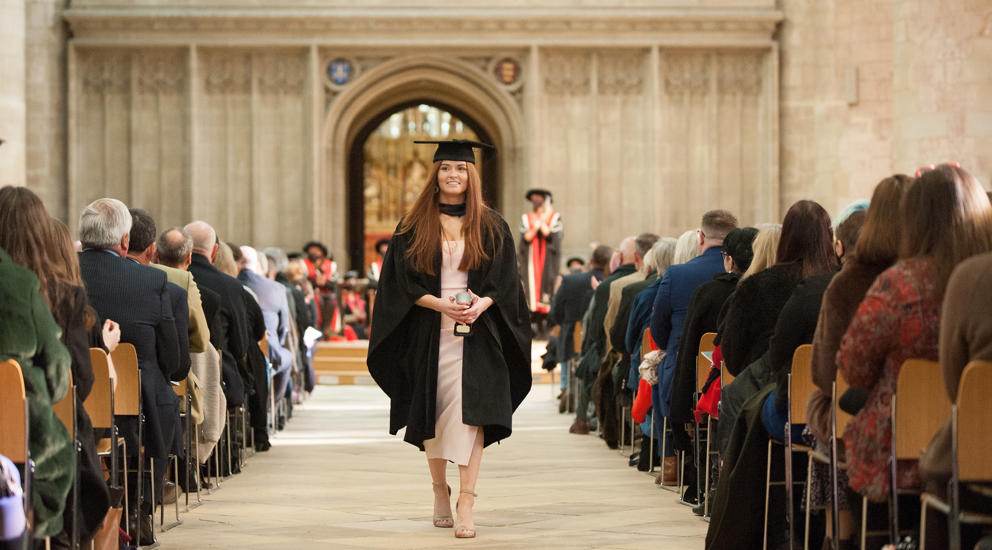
{"points": [[448, 306], [111, 335], [479, 305]]}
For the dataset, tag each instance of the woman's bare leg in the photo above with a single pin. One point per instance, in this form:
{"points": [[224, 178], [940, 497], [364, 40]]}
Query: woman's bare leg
{"points": [[468, 476], [442, 500]]}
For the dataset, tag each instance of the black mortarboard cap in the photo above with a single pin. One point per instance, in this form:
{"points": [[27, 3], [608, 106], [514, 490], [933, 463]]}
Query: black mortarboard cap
{"points": [[457, 149], [544, 192]]}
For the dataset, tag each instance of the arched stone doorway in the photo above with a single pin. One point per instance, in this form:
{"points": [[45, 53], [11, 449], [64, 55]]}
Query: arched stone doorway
{"points": [[451, 84], [359, 231]]}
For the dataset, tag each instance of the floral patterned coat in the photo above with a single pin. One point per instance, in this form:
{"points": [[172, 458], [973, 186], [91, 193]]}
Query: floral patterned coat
{"points": [[898, 319]]}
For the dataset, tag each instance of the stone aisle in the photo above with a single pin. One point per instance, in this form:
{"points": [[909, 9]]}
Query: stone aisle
{"points": [[336, 479]]}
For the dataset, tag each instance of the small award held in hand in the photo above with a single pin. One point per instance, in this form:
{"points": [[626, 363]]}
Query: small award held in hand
{"points": [[463, 298]]}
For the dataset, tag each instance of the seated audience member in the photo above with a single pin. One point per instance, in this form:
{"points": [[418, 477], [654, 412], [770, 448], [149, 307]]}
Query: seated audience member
{"points": [[965, 335], [375, 268], [642, 244], [593, 335], [702, 317], [141, 249], [567, 307], [275, 314], [845, 237], [225, 261], [947, 218], [639, 318], [174, 250], [765, 248], [671, 305], [178, 274], [30, 336], [322, 273], [686, 247], [230, 335], [354, 309], [805, 249], [877, 244], [575, 264], [298, 310], [137, 297]]}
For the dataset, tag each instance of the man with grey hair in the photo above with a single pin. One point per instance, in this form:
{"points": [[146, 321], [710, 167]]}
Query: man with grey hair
{"points": [[298, 310], [135, 296]]}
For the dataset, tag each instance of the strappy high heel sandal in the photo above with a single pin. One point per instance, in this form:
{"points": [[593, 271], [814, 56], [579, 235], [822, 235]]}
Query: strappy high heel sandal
{"points": [[464, 531], [444, 522]]}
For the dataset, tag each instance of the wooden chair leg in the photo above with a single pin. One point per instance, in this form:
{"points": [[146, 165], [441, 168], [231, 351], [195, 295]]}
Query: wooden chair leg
{"points": [[768, 490]]}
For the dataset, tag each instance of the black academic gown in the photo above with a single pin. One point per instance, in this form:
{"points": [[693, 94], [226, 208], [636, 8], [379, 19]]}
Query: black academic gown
{"points": [[403, 350]]}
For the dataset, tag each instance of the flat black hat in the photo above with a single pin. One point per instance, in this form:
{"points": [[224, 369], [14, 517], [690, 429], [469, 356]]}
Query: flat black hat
{"points": [[457, 149], [543, 192]]}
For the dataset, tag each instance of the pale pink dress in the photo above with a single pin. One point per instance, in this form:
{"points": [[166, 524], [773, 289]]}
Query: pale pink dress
{"points": [[453, 440]]}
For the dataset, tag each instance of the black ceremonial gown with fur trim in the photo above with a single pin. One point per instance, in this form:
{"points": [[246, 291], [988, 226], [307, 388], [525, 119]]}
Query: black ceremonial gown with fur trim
{"points": [[403, 351]]}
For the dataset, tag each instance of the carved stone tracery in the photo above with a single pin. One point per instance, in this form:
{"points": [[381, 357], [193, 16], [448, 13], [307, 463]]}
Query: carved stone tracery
{"points": [[105, 72], [160, 72], [740, 73], [227, 72], [686, 72], [567, 73], [281, 73], [620, 73]]}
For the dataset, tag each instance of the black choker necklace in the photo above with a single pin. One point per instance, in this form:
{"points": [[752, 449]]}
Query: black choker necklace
{"points": [[457, 210]]}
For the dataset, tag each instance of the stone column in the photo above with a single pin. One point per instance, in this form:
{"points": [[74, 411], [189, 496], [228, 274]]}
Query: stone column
{"points": [[12, 111]]}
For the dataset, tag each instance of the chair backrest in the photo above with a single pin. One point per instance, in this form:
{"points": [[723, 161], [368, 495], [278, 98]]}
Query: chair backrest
{"points": [[646, 342], [577, 338], [974, 423], [13, 413], [99, 404], [180, 388], [263, 345], [702, 363], [725, 376], [127, 396], [65, 409], [842, 416], [800, 383], [920, 407]]}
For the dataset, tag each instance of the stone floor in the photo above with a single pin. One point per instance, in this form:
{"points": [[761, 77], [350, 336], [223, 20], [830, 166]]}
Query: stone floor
{"points": [[336, 479]]}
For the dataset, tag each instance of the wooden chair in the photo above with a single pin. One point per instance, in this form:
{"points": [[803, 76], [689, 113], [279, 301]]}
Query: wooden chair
{"points": [[800, 388], [14, 432], [65, 411], [127, 402], [971, 447], [920, 406], [191, 438], [645, 349], [703, 365], [99, 405], [838, 423]]}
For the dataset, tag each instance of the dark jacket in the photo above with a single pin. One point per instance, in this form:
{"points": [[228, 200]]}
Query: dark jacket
{"points": [[231, 336], [180, 310], [403, 351], [639, 319], [671, 305], [594, 335], [751, 315], [795, 326], [618, 332], [137, 297], [702, 317], [568, 306]]}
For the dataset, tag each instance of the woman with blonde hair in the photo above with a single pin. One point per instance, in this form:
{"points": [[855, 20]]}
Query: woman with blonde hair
{"points": [[451, 329], [687, 247], [764, 246]]}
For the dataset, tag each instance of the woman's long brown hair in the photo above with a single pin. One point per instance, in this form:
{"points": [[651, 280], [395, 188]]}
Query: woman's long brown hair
{"points": [[423, 221], [947, 219], [26, 233]]}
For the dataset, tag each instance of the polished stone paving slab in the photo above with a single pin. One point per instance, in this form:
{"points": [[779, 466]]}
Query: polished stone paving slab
{"points": [[336, 479]]}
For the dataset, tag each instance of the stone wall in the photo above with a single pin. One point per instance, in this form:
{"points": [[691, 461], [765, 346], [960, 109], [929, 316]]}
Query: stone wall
{"points": [[46, 104], [874, 88], [12, 110]]}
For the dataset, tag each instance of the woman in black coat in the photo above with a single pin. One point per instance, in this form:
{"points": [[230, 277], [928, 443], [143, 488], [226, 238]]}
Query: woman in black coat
{"points": [[450, 335]]}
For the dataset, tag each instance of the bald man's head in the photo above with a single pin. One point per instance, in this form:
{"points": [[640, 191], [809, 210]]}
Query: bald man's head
{"points": [[204, 238], [627, 249]]}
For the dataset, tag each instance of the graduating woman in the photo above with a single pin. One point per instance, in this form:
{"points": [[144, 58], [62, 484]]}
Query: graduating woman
{"points": [[450, 342]]}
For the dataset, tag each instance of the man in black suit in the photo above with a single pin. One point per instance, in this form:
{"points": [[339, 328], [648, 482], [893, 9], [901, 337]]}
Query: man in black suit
{"points": [[569, 305], [232, 335], [136, 297]]}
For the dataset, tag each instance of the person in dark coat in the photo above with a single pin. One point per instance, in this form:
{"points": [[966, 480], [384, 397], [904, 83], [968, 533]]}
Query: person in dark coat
{"points": [[568, 306], [702, 317], [594, 338], [451, 263], [137, 297], [230, 335], [805, 249]]}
